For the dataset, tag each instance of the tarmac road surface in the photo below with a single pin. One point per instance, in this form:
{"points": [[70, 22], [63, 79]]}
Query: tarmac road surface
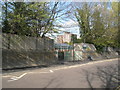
{"points": [[76, 76]]}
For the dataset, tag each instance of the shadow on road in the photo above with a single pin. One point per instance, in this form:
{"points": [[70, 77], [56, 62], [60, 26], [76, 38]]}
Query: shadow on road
{"points": [[108, 76], [53, 82]]}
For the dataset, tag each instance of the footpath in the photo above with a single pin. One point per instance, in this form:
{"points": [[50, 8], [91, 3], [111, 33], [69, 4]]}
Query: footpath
{"points": [[59, 64]]}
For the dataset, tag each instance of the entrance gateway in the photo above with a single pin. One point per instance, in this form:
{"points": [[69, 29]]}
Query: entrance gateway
{"points": [[61, 56]]}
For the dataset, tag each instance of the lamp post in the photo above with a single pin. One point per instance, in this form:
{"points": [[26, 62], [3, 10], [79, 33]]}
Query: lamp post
{"points": [[73, 48], [36, 34]]}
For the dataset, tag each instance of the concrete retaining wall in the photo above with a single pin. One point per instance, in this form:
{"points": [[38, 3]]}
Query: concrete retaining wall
{"points": [[19, 59], [90, 50], [11, 41], [24, 51]]}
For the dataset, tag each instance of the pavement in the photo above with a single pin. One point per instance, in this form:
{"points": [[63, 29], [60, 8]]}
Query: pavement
{"points": [[83, 75]]}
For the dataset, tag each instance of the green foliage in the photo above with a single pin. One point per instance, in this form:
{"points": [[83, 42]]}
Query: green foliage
{"points": [[70, 43], [29, 18], [15, 18], [78, 41], [82, 17], [99, 26]]}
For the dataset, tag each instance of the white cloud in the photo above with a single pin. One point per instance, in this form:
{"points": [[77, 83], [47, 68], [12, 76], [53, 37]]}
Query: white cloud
{"points": [[95, 0], [70, 23]]}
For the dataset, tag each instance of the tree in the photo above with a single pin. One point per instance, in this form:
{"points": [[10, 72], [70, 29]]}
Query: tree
{"points": [[83, 18], [6, 26], [116, 16], [37, 13], [15, 18], [98, 29], [31, 18], [99, 25]]}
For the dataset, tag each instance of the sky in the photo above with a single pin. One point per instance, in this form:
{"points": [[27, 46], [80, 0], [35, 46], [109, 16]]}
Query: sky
{"points": [[67, 23], [65, 0], [72, 26]]}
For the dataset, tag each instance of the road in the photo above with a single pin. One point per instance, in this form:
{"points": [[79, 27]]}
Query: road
{"points": [[75, 76]]}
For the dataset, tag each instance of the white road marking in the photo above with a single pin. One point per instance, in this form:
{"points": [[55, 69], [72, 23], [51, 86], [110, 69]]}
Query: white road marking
{"points": [[51, 71], [7, 76], [13, 78], [74, 66], [16, 78]]}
